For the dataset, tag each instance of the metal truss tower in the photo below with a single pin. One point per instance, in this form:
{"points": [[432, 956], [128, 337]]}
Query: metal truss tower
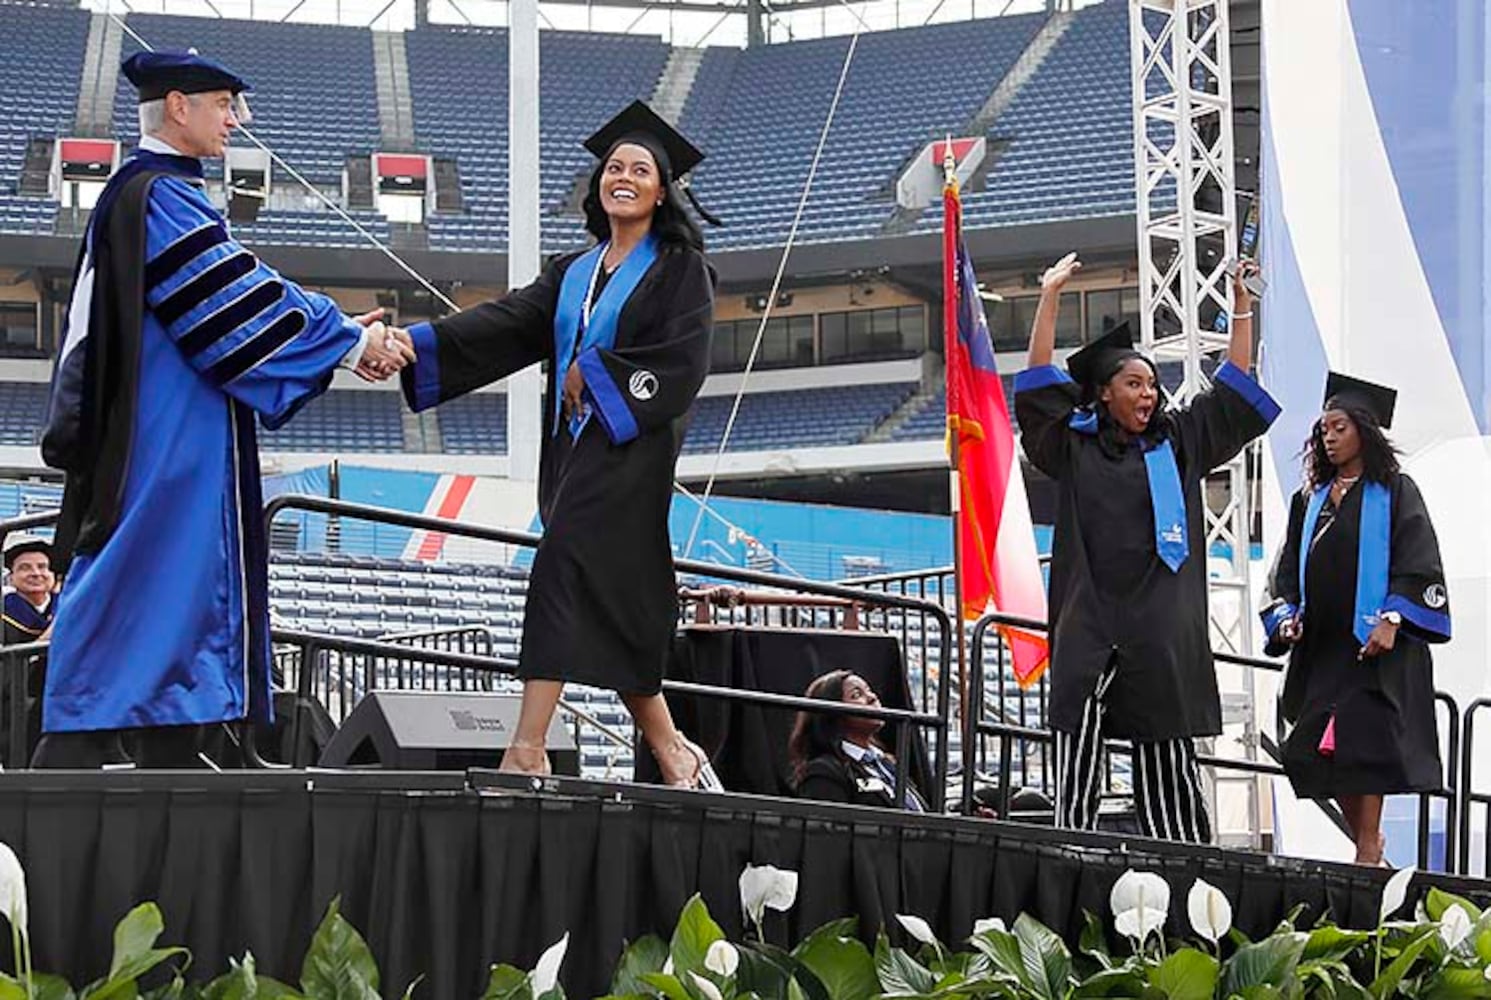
{"points": [[1186, 204]]}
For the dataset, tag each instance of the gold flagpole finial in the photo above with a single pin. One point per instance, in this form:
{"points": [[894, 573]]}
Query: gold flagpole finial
{"points": [[949, 162]]}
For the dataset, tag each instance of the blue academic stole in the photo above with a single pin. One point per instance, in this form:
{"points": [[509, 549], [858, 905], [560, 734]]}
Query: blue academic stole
{"points": [[582, 321], [1171, 532], [1373, 549]]}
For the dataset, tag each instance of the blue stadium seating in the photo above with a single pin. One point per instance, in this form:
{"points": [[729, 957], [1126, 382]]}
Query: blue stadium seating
{"points": [[315, 99], [345, 420], [834, 415], [1070, 128], [475, 424], [904, 89], [41, 66], [22, 409], [458, 80]]}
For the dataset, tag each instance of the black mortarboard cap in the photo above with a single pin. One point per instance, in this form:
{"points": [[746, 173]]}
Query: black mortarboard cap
{"points": [[638, 123], [1378, 400], [155, 74], [18, 545], [1097, 362]]}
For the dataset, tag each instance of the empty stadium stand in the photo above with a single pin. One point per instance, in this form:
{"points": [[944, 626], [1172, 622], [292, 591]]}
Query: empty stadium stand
{"points": [[1064, 139], [474, 424], [831, 415], [40, 72], [346, 420]]}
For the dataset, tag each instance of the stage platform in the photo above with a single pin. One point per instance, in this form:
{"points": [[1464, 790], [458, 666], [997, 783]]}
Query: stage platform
{"points": [[445, 873]]}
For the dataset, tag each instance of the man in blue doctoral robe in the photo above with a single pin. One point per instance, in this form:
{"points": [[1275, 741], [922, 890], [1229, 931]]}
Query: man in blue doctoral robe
{"points": [[177, 337]]}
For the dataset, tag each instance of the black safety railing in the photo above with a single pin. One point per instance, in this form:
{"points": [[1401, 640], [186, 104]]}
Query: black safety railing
{"points": [[1471, 796], [310, 646], [1015, 737], [923, 628]]}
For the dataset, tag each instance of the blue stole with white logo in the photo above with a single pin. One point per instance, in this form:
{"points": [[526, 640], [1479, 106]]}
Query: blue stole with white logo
{"points": [[1166, 497], [1373, 549], [581, 324]]}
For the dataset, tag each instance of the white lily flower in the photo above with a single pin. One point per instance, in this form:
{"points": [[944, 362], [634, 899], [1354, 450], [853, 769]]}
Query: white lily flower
{"points": [[668, 966], [987, 924], [766, 886], [918, 928], [13, 889], [704, 986], [1140, 903], [1395, 892], [546, 973], [1210, 911], [1454, 926], [722, 958]]}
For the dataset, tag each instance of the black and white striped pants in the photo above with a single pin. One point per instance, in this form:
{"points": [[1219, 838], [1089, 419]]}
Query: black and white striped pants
{"points": [[1168, 799]]}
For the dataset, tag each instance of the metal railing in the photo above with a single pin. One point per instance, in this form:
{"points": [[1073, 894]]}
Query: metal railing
{"points": [[1469, 796], [924, 629]]}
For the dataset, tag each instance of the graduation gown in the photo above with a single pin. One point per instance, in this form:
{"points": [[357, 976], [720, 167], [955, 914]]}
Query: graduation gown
{"points": [[177, 336], [1111, 597], [1386, 734], [602, 600], [24, 621]]}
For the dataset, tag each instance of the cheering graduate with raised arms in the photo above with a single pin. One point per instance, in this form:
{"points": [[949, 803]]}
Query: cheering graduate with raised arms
{"points": [[177, 336], [624, 327], [1358, 594], [1130, 655]]}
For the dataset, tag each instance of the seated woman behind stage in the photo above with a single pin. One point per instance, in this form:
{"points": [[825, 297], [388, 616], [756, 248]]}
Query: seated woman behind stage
{"points": [[836, 758], [1360, 687]]}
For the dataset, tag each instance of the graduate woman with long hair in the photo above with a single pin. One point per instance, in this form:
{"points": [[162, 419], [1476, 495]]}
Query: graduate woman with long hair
{"points": [[625, 328], [1358, 595], [1130, 655]]}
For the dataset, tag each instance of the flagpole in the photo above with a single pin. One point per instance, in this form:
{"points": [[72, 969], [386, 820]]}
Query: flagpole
{"points": [[951, 232]]}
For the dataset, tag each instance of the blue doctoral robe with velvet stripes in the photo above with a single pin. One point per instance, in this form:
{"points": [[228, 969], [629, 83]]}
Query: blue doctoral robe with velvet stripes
{"points": [[1386, 733], [219, 337], [602, 599]]}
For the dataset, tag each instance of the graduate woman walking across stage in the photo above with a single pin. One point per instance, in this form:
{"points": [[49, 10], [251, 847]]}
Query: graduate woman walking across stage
{"points": [[1130, 655], [1357, 593], [625, 329]]}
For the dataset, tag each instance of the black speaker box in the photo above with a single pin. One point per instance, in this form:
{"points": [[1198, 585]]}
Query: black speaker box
{"points": [[438, 731]]}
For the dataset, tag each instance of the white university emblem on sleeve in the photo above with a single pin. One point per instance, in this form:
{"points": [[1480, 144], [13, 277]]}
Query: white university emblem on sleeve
{"points": [[1434, 595], [643, 384]]}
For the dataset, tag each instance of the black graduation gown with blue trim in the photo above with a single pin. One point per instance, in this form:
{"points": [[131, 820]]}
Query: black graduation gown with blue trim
{"points": [[602, 600], [1111, 597], [1386, 736]]}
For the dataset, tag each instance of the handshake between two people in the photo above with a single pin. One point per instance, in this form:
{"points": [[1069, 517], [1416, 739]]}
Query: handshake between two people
{"points": [[389, 348]]}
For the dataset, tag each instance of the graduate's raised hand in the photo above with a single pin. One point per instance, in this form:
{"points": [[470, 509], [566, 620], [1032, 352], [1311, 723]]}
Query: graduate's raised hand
{"points": [[1384, 636], [1242, 297], [369, 318], [574, 388], [1059, 273]]}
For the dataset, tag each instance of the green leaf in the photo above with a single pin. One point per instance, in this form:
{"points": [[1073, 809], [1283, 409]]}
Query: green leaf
{"points": [[1187, 974], [11, 988], [1094, 939], [839, 961], [646, 954], [899, 972], [1003, 950], [1047, 962], [49, 987], [507, 983], [668, 986], [1111, 983], [1329, 943], [1260, 992], [1456, 983], [1270, 962], [338, 965], [1438, 901], [695, 932], [134, 954], [1386, 984]]}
